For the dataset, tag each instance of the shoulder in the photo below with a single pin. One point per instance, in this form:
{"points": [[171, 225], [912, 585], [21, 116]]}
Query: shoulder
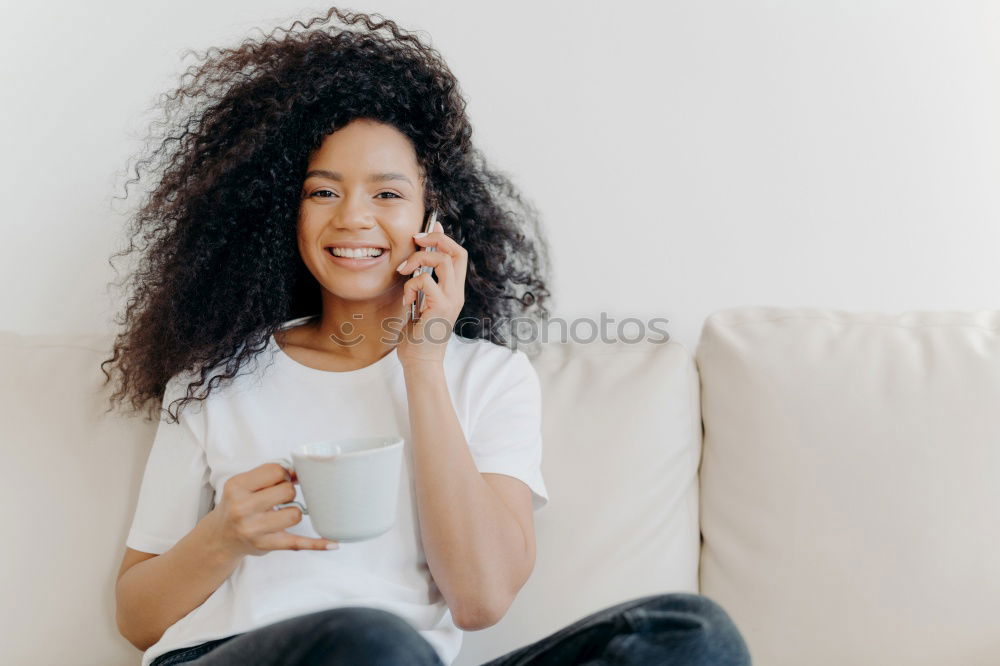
{"points": [[478, 354], [178, 388], [188, 383], [177, 385], [492, 368], [249, 376]]}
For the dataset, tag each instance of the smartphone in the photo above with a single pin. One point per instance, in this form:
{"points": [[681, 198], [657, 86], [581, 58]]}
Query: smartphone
{"points": [[418, 302]]}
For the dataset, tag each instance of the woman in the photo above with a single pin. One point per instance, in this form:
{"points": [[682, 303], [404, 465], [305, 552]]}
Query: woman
{"points": [[284, 229]]}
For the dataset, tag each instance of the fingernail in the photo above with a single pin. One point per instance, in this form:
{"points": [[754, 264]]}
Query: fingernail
{"points": [[400, 267], [332, 546], [420, 235]]}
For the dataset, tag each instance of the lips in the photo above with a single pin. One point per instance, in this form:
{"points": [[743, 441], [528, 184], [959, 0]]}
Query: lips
{"points": [[364, 262], [355, 245], [329, 250]]}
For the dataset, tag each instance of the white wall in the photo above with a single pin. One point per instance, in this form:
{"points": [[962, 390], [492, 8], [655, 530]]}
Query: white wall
{"points": [[687, 156]]}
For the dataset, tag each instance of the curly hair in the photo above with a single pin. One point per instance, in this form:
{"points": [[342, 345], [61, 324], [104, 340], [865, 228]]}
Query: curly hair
{"points": [[219, 270]]}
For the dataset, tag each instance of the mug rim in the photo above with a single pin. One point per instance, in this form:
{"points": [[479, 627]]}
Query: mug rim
{"points": [[394, 441]]}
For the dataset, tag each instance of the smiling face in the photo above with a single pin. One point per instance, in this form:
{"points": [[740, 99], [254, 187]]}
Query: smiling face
{"points": [[363, 186]]}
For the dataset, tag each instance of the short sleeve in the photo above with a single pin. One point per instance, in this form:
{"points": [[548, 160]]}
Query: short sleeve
{"points": [[506, 438], [175, 492]]}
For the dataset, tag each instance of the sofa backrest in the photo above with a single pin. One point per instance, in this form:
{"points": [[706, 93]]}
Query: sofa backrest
{"points": [[622, 443], [850, 484], [620, 455], [73, 478]]}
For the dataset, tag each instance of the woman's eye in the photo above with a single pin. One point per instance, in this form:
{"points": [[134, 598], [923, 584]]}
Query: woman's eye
{"points": [[321, 193]]}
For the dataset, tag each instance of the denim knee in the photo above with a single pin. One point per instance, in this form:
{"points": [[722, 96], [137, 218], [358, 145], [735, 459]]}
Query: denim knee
{"points": [[709, 634], [366, 635]]}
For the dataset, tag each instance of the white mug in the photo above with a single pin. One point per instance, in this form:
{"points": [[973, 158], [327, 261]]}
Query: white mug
{"points": [[350, 486]]}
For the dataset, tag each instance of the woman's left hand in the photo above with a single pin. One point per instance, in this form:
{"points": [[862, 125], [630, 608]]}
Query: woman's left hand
{"points": [[427, 339]]}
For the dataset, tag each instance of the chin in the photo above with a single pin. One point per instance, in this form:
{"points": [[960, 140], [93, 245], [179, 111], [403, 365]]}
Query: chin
{"points": [[361, 292]]}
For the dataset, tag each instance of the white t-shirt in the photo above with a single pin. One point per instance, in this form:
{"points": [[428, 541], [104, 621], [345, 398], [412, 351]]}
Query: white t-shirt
{"points": [[276, 403]]}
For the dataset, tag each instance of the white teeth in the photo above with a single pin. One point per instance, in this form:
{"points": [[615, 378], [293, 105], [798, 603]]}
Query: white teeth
{"points": [[358, 253]]}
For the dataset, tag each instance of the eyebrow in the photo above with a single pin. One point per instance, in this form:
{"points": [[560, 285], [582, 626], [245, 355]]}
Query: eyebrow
{"points": [[374, 178]]}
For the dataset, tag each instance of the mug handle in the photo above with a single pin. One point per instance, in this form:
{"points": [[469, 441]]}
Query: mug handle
{"points": [[287, 464]]}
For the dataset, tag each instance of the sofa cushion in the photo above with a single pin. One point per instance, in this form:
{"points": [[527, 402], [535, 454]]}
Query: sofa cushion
{"points": [[622, 441], [850, 483], [68, 500]]}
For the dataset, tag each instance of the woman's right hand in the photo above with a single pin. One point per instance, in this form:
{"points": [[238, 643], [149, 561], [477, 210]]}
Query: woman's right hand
{"points": [[246, 522]]}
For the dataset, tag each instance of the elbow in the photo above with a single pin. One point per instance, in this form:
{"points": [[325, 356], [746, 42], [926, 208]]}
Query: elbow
{"points": [[139, 642], [480, 614], [120, 621], [476, 620], [127, 632], [487, 610], [129, 636]]}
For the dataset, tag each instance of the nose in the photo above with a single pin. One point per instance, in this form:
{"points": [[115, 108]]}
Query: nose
{"points": [[354, 213]]}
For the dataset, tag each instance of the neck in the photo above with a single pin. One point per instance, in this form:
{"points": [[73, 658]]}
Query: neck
{"points": [[360, 330]]}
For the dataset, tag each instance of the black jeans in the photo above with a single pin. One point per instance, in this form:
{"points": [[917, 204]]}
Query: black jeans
{"points": [[677, 629]]}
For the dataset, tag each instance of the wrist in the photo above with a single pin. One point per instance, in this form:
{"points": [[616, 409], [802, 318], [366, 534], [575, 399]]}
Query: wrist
{"points": [[423, 367], [216, 546]]}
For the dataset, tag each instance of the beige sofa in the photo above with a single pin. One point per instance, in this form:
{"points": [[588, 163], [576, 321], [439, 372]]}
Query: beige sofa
{"points": [[831, 478]]}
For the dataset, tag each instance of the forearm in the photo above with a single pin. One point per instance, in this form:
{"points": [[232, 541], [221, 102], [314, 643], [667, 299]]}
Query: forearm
{"points": [[474, 546], [156, 593]]}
